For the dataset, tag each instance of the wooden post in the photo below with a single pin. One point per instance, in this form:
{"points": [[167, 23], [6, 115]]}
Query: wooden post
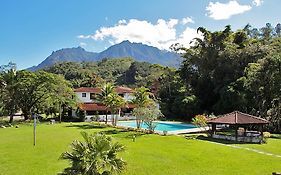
{"points": [[213, 128], [261, 130], [34, 130], [236, 133]]}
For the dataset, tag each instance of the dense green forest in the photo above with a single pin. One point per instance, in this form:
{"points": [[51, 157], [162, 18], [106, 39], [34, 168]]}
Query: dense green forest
{"points": [[221, 72], [228, 70], [120, 71]]}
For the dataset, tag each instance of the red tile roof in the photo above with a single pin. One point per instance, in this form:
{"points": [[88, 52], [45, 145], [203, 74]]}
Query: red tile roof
{"points": [[118, 89], [92, 107], [98, 106], [237, 117], [121, 89]]}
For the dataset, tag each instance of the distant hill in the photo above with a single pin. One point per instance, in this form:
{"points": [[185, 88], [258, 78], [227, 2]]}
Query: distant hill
{"points": [[138, 51]]}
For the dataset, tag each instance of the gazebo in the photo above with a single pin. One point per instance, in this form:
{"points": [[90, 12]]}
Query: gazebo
{"points": [[240, 122]]}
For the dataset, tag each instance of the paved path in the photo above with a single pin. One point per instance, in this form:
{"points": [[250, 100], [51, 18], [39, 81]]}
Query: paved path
{"points": [[248, 149]]}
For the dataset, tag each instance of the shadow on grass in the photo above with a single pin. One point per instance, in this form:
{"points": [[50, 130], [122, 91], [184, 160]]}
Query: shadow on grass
{"points": [[113, 131], [123, 134], [210, 139], [276, 136], [120, 133], [86, 126]]}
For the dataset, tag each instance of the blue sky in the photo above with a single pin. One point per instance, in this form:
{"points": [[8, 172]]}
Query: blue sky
{"points": [[30, 30]]}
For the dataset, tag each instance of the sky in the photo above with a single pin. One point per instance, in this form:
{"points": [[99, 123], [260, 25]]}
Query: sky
{"points": [[30, 30]]}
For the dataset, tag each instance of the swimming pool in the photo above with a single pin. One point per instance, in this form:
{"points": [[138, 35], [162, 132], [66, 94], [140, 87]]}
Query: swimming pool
{"points": [[160, 126]]}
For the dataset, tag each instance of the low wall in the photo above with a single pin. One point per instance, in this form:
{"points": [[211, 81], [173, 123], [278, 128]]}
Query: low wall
{"points": [[255, 139], [101, 118]]}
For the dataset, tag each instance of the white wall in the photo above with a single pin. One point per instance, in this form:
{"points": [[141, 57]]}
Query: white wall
{"points": [[127, 97], [101, 118], [84, 99]]}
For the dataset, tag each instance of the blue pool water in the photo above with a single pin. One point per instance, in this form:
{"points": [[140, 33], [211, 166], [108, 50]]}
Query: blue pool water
{"points": [[160, 126]]}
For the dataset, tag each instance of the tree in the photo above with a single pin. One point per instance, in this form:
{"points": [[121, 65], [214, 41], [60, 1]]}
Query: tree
{"points": [[149, 115], [35, 88], [8, 89], [115, 103], [97, 155], [61, 99], [176, 99], [262, 84], [141, 100], [106, 90]]}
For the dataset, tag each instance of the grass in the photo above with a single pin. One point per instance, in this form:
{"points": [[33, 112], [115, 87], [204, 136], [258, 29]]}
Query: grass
{"points": [[149, 154]]}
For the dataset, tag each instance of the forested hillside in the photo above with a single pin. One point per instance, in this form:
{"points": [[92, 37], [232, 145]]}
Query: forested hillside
{"points": [[228, 70], [120, 71]]}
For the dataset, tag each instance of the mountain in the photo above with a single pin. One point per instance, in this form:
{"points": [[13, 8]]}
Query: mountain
{"points": [[138, 51], [66, 55]]}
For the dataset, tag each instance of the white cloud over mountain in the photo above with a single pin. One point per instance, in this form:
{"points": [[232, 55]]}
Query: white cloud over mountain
{"points": [[162, 34], [221, 11]]}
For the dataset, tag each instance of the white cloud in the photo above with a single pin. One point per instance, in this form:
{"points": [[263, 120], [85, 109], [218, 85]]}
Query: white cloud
{"points": [[220, 11], [123, 21], [187, 20], [84, 36], [162, 34], [82, 44], [257, 2]]}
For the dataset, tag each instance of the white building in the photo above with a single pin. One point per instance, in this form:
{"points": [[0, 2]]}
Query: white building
{"points": [[90, 103]]}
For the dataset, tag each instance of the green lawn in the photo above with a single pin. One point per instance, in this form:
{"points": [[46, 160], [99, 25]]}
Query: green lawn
{"points": [[150, 154]]}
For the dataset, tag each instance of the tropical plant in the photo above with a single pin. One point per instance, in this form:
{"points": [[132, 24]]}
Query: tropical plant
{"points": [[115, 103], [97, 155], [141, 100], [106, 90], [151, 114], [200, 120]]}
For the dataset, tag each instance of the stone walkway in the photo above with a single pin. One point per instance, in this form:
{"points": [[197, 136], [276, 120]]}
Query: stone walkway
{"points": [[249, 149]]}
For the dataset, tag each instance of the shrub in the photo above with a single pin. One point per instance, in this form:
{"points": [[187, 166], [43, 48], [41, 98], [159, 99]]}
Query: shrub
{"points": [[266, 135], [97, 155], [81, 115]]}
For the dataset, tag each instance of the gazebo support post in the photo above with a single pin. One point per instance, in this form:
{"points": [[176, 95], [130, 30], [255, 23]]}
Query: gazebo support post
{"points": [[245, 129], [213, 129], [236, 133], [261, 130]]}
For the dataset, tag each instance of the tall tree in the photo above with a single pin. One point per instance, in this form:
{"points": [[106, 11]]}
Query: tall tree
{"points": [[8, 89], [115, 103], [34, 88], [106, 90]]}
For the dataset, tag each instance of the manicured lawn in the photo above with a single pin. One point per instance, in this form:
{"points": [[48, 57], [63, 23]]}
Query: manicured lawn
{"points": [[150, 154]]}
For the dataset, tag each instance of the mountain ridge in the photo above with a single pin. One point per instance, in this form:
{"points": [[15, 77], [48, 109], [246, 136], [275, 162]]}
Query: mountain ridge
{"points": [[138, 51]]}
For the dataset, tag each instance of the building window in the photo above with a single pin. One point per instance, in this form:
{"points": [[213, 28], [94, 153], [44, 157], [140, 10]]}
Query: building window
{"points": [[83, 94]]}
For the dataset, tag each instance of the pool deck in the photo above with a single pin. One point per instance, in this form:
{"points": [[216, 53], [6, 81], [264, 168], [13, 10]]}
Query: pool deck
{"points": [[181, 131]]}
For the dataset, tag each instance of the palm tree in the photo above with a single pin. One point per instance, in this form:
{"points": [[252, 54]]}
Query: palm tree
{"points": [[96, 156], [115, 103], [141, 100], [106, 90]]}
